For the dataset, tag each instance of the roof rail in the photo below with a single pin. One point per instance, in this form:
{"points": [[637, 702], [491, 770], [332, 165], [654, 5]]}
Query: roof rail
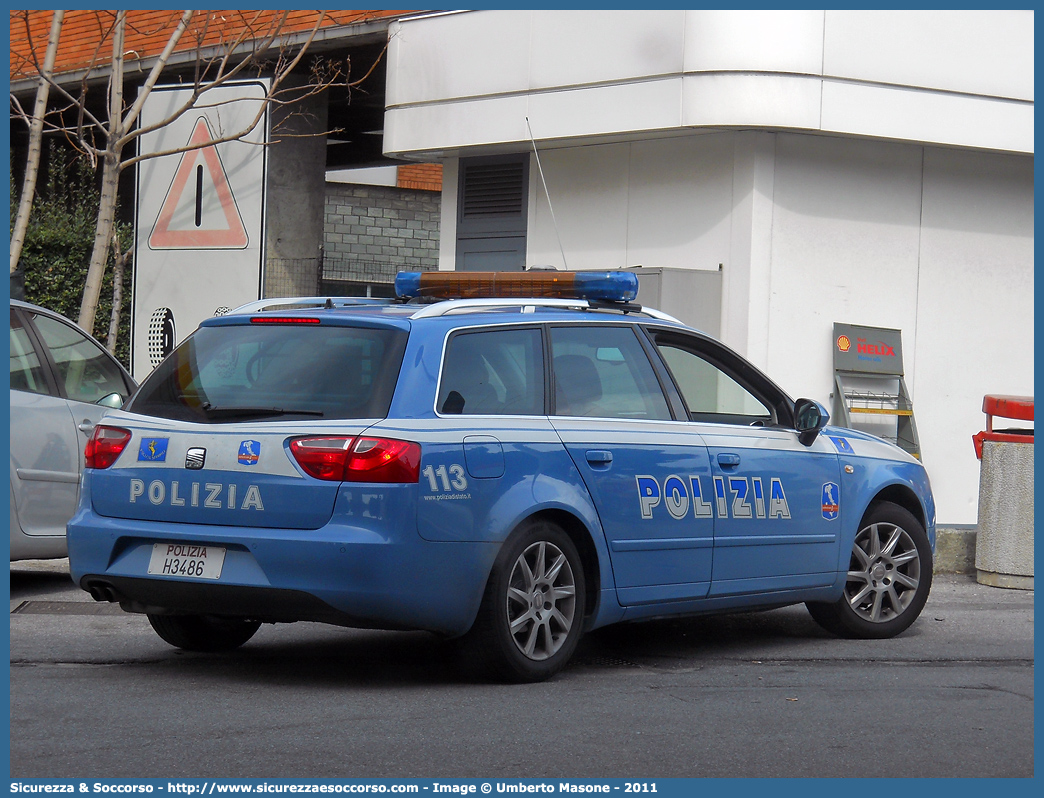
{"points": [[527, 305], [307, 301]]}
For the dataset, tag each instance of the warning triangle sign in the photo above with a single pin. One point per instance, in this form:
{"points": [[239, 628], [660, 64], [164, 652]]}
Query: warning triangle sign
{"points": [[199, 211]]}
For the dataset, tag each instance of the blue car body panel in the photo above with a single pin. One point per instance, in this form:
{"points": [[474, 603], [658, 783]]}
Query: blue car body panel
{"points": [[367, 562], [675, 516]]}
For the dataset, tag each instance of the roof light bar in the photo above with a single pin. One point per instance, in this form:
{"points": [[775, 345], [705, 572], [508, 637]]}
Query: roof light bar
{"points": [[605, 286]]}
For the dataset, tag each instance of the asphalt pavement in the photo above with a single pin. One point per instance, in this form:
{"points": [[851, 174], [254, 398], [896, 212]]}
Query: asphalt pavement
{"points": [[94, 691]]}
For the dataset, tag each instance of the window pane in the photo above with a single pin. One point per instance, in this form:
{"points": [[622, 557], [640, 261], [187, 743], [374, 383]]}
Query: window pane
{"points": [[710, 393], [604, 372], [231, 373], [85, 370], [26, 370], [497, 372]]}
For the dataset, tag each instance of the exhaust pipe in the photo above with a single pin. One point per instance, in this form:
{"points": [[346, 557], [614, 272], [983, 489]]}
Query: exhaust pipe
{"points": [[102, 592]]}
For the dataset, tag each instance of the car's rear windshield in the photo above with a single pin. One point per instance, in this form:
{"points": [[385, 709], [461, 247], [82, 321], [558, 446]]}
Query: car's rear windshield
{"points": [[225, 374]]}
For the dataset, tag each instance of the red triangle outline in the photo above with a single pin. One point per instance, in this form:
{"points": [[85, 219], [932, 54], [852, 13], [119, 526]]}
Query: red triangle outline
{"points": [[235, 237]]}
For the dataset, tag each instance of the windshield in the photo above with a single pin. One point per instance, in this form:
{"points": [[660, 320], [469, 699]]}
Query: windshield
{"points": [[280, 372]]}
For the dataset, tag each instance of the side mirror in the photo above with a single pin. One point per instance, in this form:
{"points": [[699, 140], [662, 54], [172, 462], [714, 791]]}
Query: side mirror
{"points": [[809, 419], [113, 400]]}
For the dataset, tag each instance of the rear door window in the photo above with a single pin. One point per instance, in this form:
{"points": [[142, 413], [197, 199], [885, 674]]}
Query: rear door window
{"points": [[236, 373], [27, 372], [493, 372]]}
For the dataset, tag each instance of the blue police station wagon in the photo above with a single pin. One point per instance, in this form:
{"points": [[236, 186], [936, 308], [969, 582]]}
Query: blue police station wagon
{"points": [[511, 459]]}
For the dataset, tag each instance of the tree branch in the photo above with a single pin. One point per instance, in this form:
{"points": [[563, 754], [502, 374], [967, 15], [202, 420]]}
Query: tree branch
{"points": [[157, 70], [32, 166]]}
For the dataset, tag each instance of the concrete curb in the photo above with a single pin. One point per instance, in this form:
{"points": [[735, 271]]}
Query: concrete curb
{"points": [[955, 550]]}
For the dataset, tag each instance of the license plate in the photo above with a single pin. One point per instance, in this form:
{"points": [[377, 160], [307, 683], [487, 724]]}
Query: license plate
{"points": [[186, 560]]}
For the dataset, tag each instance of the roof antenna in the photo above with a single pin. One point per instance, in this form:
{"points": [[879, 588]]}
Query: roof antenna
{"points": [[547, 194]]}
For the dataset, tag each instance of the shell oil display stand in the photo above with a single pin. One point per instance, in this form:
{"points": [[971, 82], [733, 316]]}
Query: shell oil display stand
{"points": [[870, 393]]}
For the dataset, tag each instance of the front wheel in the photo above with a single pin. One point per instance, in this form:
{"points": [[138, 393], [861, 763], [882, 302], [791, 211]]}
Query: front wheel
{"points": [[889, 577], [532, 612], [203, 632]]}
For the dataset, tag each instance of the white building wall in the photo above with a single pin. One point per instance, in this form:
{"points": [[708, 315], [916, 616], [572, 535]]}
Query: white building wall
{"points": [[987, 53], [469, 79], [663, 202], [845, 231], [747, 286], [448, 220], [975, 309]]}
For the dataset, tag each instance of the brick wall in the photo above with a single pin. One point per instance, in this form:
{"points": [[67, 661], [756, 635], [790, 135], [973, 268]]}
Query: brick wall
{"points": [[371, 232], [421, 175]]}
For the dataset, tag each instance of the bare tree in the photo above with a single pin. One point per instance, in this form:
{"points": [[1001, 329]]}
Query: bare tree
{"points": [[36, 123], [119, 264], [252, 45]]}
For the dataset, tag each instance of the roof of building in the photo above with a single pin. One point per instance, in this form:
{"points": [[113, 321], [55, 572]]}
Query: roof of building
{"points": [[84, 43]]}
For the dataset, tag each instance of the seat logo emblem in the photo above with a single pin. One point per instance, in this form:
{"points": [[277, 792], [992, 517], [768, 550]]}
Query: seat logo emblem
{"points": [[153, 450], [249, 451], [195, 458]]}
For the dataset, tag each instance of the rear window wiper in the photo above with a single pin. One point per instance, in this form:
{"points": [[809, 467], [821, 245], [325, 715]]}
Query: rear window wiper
{"points": [[254, 412]]}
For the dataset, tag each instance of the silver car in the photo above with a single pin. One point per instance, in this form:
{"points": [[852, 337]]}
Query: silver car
{"points": [[62, 382]]}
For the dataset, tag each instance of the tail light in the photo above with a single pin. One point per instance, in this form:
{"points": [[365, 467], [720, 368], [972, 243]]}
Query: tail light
{"points": [[345, 459], [105, 445], [322, 458], [383, 460]]}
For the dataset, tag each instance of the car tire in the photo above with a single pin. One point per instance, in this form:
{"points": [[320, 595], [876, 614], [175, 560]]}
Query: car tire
{"points": [[889, 577], [532, 612], [203, 632]]}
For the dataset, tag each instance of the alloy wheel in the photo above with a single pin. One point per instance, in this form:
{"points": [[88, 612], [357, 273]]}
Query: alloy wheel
{"points": [[541, 600], [884, 572]]}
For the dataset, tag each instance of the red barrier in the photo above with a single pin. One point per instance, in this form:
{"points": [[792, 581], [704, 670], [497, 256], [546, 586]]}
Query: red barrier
{"points": [[1016, 407]]}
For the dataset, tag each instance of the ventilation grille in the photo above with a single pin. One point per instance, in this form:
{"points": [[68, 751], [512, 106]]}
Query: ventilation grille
{"points": [[493, 190]]}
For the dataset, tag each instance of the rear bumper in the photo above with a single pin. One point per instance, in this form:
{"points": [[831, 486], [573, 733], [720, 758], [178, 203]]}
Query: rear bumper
{"points": [[341, 573], [271, 605]]}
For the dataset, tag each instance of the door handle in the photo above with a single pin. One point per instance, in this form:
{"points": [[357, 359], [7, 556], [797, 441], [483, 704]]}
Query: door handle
{"points": [[599, 457], [85, 426], [728, 460]]}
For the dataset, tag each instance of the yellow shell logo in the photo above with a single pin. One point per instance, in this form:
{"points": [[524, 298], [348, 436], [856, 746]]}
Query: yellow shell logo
{"points": [[843, 343]]}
